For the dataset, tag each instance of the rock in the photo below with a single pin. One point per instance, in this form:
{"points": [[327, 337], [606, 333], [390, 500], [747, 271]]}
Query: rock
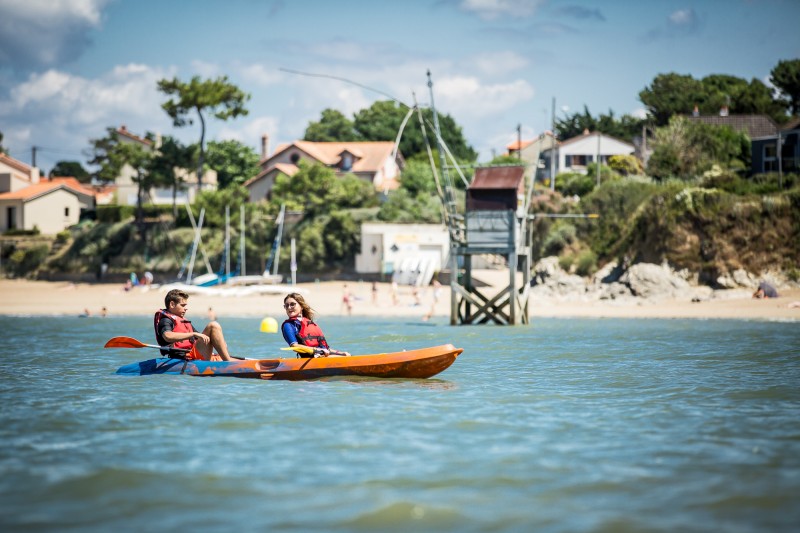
{"points": [[743, 278], [647, 280]]}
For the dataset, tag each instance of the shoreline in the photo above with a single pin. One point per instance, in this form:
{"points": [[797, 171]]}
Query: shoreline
{"points": [[47, 298]]}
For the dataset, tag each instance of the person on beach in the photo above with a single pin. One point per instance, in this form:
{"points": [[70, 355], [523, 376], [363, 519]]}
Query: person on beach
{"points": [[299, 327], [347, 299], [177, 334], [765, 290]]}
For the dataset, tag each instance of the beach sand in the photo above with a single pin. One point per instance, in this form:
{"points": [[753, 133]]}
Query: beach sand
{"points": [[22, 297]]}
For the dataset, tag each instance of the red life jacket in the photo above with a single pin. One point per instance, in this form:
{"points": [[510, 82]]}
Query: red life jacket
{"points": [[179, 325], [310, 334]]}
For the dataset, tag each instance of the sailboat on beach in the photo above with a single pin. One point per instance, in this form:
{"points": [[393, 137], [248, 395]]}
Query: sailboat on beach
{"points": [[236, 283]]}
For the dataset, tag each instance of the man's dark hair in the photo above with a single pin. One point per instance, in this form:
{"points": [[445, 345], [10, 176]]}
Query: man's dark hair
{"points": [[173, 296]]}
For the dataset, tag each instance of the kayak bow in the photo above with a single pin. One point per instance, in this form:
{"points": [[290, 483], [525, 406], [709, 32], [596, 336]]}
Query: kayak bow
{"points": [[421, 363]]}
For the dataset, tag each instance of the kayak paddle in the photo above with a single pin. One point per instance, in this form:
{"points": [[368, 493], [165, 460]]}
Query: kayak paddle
{"points": [[130, 342], [300, 349]]}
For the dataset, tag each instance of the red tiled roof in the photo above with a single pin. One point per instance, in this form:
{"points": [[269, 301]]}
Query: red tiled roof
{"points": [[497, 177], [19, 165], [45, 187], [516, 145], [125, 133]]}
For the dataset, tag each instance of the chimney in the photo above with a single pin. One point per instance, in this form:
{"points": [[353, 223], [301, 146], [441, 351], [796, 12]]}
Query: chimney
{"points": [[724, 111], [264, 146], [123, 128]]}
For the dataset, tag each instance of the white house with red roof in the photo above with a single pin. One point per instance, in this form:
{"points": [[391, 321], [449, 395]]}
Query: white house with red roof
{"points": [[28, 201], [374, 162], [127, 189]]}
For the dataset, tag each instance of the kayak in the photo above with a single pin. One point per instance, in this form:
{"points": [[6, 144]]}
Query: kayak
{"points": [[421, 363]]}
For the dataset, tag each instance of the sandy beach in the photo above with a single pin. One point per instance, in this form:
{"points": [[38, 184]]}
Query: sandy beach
{"points": [[22, 297]]}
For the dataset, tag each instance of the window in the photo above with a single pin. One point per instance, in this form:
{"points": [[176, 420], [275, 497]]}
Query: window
{"points": [[578, 160], [294, 158], [347, 161], [66, 212]]}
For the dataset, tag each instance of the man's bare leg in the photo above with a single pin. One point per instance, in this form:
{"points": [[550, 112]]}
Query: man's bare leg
{"points": [[216, 342]]}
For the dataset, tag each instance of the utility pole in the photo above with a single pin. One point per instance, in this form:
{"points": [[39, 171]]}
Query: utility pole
{"points": [[33, 156], [553, 147], [519, 142], [598, 159]]}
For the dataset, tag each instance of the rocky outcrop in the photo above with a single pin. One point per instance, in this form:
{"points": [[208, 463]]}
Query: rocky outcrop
{"points": [[639, 282]]}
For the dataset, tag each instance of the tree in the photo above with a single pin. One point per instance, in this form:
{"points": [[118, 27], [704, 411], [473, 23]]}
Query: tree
{"points": [[2, 150], [218, 97], [172, 161], [234, 162], [625, 128], [111, 154], [685, 149], [786, 77], [71, 168], [672, 94], [332, 127], [381, 122], [740, 97]]}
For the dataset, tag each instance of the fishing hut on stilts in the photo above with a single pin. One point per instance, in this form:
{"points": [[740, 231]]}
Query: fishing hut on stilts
{"points": [[495, 222]]}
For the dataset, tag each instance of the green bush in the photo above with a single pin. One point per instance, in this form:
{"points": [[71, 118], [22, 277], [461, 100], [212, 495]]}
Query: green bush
{"points": [[586, 263], [25, 261], [560, 236]]}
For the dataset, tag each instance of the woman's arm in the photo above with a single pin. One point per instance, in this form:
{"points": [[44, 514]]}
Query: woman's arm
{"points": [[289, 332]]}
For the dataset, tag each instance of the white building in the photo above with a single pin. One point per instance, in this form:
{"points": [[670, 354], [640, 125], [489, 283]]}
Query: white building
{"points": [[127, 188], [411, 253], [28, 202], [575, 154]]}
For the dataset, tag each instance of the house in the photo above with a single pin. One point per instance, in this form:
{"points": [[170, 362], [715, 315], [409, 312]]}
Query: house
{"points": [[410, 253], [28, 202], [535, 153], [764, 135], [127, 189], [575, 154], [374, 162], [765, 150], [755, 126]]}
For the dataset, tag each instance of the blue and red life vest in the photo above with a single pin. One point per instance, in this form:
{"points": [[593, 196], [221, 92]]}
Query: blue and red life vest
{"points": [[310, 334], [179, 325]]}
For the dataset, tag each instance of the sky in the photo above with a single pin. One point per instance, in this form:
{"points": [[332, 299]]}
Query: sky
{"points": [[71, 69]]}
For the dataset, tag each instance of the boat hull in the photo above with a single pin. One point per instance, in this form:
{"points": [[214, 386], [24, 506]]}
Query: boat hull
{"points": [[421, 363]]}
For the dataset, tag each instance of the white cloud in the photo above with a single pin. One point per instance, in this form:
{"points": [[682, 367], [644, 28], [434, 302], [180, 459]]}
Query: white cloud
{"points": [[491, 9], [250, 131], [42, 33], [498, 63], [682, 17], [63, 112], [468, 97], [260, 75], [639, 112]]}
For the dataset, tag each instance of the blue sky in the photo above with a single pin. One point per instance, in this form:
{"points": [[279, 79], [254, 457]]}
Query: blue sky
{"points": [[69, 69]]}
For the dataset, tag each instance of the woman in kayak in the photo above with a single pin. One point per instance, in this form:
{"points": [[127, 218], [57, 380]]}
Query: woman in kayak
{"points": [[299, 328]]}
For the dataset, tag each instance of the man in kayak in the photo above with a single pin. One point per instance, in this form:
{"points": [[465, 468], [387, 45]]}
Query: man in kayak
{"points": [[178, 335], [299, 328]]}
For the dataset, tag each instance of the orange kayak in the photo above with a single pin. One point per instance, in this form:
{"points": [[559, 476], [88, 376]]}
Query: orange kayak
{"points": [[421, 363]]}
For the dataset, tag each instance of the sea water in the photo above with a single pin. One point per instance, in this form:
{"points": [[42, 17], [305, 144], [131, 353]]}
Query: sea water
{"points": [[561, 426]]}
